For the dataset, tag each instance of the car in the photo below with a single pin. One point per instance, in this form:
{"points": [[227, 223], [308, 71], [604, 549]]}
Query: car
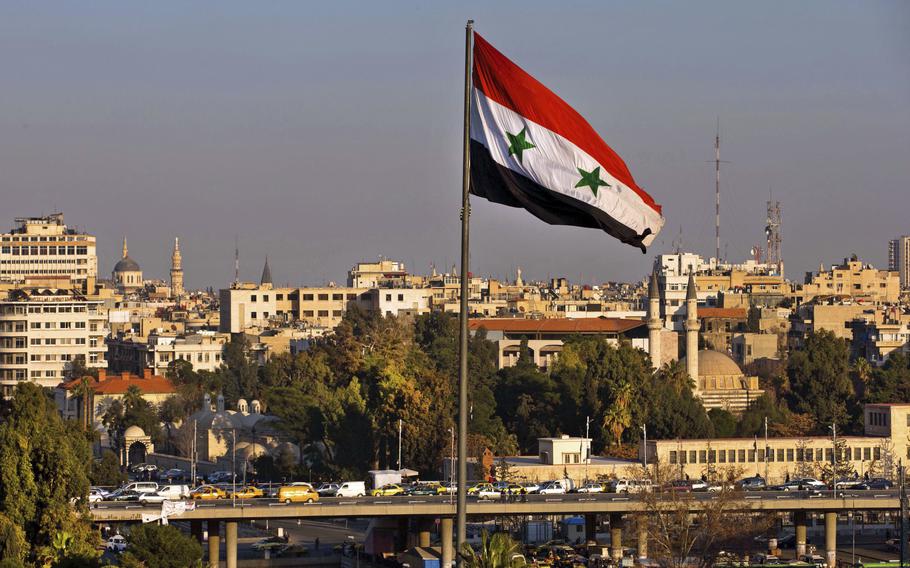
{"points": [[219, 477], [116, 543], [591, 488], [765, 559], [248, 492], [298, 494], [351, 489], [141, 486], [878, 484], [557, 487], [125, 495], [174, 473], [801, 484], [96, 495], [270, 543], [754, 483], [698, 485], [327, 489], [631, 486], [717, 487], [531, 487], [449, 487], [426, 489], [166, 493], [388, 490], [208, 493], [847, 483], [484, 491], [814, 560], [679, 486]]}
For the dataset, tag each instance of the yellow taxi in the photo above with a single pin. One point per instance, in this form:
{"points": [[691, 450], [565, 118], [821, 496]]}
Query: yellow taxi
{"points": [[208, 492], [248, 492], [298, 493], [388, 490]]}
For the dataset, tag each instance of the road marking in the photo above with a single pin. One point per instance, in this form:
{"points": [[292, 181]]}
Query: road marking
{"points": [[880, 495], [347, 502], [588, 499], [817, 496], [785, 497], [316, 503], [753, 496], [619, 499], [134, 507], [411, 502], [382, 502], [552, 500], [279, 504]]}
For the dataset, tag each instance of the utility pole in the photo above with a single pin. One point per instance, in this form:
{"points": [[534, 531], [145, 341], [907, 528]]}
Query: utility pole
{"points": [[717, 192], [586, 456], [904, 551], [233, 465], [766, 449], [193, 457], [644, 453], [399, 444]]}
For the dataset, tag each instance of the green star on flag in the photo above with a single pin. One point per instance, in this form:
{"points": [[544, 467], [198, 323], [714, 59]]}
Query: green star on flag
{"points": [[518, 144], [591, 179]]}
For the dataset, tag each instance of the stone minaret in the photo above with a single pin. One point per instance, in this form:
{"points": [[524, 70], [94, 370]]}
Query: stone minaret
{"points": [[176, 270], [126, 251], [692, 329], [655, 325], [518, 279]]}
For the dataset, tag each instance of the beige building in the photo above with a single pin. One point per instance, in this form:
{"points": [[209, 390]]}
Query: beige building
{"points": [[45, 248], [43, 331], [877, 340], [324, 307], [721, 383], [748, 347], [135, 354], [899, 259], [383, 274], [852, 278], [816, 316], [877, 452]]}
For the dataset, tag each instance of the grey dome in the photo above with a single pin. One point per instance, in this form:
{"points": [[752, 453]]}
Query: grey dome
{"points": [[126, 264]]}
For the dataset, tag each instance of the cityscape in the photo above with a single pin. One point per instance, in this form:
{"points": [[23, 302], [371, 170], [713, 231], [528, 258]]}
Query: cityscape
{"points": [[699, 407]]}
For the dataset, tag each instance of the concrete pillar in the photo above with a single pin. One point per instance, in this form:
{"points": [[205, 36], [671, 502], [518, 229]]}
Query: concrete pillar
{"points": [[831, 538], [196, 530], [402, 542], [642, 537], [423, 532], [616, 537], [214, 544], [445, 533], [799, 522], [590, 527], [230, 543]]}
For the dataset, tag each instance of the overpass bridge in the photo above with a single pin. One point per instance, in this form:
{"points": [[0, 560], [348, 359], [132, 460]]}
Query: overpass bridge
{"points": [[427, 509]]}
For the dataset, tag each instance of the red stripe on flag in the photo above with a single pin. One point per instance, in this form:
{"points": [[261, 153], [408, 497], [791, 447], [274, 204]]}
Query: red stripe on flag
{"points": [[511, 86]]}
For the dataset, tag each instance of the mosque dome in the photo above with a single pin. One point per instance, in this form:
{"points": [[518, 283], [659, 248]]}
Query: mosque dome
{"points": [[134, 432], [715, 364], [127, 264]]}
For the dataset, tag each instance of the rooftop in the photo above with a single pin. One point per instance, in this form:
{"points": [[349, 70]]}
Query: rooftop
{"points": [[118, 384], [561, 325]]}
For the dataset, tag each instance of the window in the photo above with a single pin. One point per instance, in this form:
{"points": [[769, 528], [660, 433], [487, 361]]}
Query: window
{"points": [[702, 456], [732, 456], [323, 313], [388, 297], [354, 297], [877, 453], [265, 298], [751, 455], [336, 313], [307, 297], [722, 456], [253, 315], [857, 454], [307, 313], [66, 325], [265, 315], [36, 325], [741, 456], [253, 298], [867, 454], [692, 456], [323, 297], [780, 455], [712, 456], [338, 297], [673, 456], [279, 297], [789, 454], [401, 297], [80, 325], [682, 457]]}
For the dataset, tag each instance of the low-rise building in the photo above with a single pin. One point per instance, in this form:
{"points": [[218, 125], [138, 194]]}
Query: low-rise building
{"points": [[158, 350], [851, 278]]}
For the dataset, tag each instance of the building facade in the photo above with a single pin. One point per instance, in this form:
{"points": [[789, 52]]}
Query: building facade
{"points": [[45, 248], [136, 354], [899, 259], [851, 278], [43, 331]]}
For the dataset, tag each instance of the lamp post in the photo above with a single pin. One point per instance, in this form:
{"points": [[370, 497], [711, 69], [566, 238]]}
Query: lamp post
{"points": [[833, 429], [586, 456], [233, 466], [766, 449], [644, 453], [452, 488]]}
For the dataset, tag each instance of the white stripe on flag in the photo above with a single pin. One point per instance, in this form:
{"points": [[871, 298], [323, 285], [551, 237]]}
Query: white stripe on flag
{"points": [[553, 163]]}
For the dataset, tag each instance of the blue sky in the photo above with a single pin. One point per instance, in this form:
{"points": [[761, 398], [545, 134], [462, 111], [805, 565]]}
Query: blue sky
{"points": [[323, 134]]}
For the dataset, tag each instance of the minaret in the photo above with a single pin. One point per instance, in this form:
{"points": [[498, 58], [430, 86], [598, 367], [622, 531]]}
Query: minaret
{"points": [[176, 270], [126, 251], [266, 280], [692, 329], [654, 324], [518, 280]]}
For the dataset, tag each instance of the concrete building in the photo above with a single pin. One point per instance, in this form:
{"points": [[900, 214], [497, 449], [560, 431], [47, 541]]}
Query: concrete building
{"points": [[135, 354], [43, 330], [400, 301], [748, 347], [875, 340], [176, 270], [851, 278], [817, 315], [383, 274], [899, 259], [877, 452], [127, 274], [324, 307], [245, 305], [44, 248]]}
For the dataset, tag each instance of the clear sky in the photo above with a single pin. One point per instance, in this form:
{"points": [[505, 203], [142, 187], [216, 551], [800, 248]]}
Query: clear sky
{"points": [[327, 133]]}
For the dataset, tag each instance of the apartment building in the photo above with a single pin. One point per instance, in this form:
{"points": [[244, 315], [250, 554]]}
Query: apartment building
{"points": [[44, 248], [246, 305], [155, 352], [43, 331], [899, 259], [851, 278], [324, 307]]}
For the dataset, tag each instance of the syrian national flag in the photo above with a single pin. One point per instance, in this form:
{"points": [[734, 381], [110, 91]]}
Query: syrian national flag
{"points": [[530, 149]]}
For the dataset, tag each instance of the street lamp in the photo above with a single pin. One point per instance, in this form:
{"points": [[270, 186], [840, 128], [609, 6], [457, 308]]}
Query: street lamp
{"points": [[833, 428], [644, 453]]}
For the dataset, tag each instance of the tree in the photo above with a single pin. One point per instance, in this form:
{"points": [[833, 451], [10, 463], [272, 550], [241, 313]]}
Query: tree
{"points": [[43, 469], [161, 546], [13, 546], [505, 471], [106, 471], [131, 410], [891, 381], [723, 422], [805, 466], [496, 551], [839, 467], [819, 379]]}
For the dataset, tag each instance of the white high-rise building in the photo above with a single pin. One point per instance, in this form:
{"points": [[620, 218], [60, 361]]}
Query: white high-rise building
{"points": [[43, 331], [44, 248], [899, 258]]}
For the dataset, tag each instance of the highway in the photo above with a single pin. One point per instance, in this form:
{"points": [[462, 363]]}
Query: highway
{"points": [[443, 505]]}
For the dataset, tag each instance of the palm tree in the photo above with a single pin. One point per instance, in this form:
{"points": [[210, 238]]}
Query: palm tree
{"points": [[132, 397], [496, 551], [85, 393], [619, 416]]}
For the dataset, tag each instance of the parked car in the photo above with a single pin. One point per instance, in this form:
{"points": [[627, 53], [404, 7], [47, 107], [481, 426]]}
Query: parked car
{"points": [[270, 543], [116, 543], [557, 487], [426, 489], [96, 495], [591, 488], [631, 486], [388, 490], [173, 474], [141, 486], [125, 495], [351, 489], [166, 493], [531, 487], [248, 492], [327, 489], [484, 491], [208, 493], [878, 484], [298, 494], [754, 483], [814, 560]]}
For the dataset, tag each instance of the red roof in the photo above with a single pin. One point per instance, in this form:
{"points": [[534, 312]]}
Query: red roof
{"points": [[118, 384], [732, 313], [560, 325]]}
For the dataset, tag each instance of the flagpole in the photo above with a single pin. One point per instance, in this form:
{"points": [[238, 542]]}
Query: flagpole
{"points": [[461, 489]]}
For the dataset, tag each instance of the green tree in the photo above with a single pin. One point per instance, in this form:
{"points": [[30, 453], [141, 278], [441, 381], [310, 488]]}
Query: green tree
{"points": [[13, 546], [666, 404], [106, 471], [239, 375], [891, 381], [131, 410], [43, 467], [723, 423], [841, 466], [819, 379], [161, 546], [498, 550]]}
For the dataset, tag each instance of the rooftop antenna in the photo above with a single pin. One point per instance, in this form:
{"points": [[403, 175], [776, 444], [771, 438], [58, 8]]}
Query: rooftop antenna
{"points": [[772, 233], [678, 241], [717, 162], [236, 260]]}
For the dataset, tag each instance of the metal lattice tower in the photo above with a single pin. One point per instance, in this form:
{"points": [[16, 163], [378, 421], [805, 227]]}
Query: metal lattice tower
{"points": [[772, 232]]}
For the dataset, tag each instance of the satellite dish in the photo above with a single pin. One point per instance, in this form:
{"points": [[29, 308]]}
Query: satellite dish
{"points": [[752, 251]]}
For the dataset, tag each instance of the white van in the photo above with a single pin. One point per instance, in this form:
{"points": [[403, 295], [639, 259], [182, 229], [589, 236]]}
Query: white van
{"points": [[166, 493], [141, 487], [351, 489], [557, 487], [631, 486]]}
